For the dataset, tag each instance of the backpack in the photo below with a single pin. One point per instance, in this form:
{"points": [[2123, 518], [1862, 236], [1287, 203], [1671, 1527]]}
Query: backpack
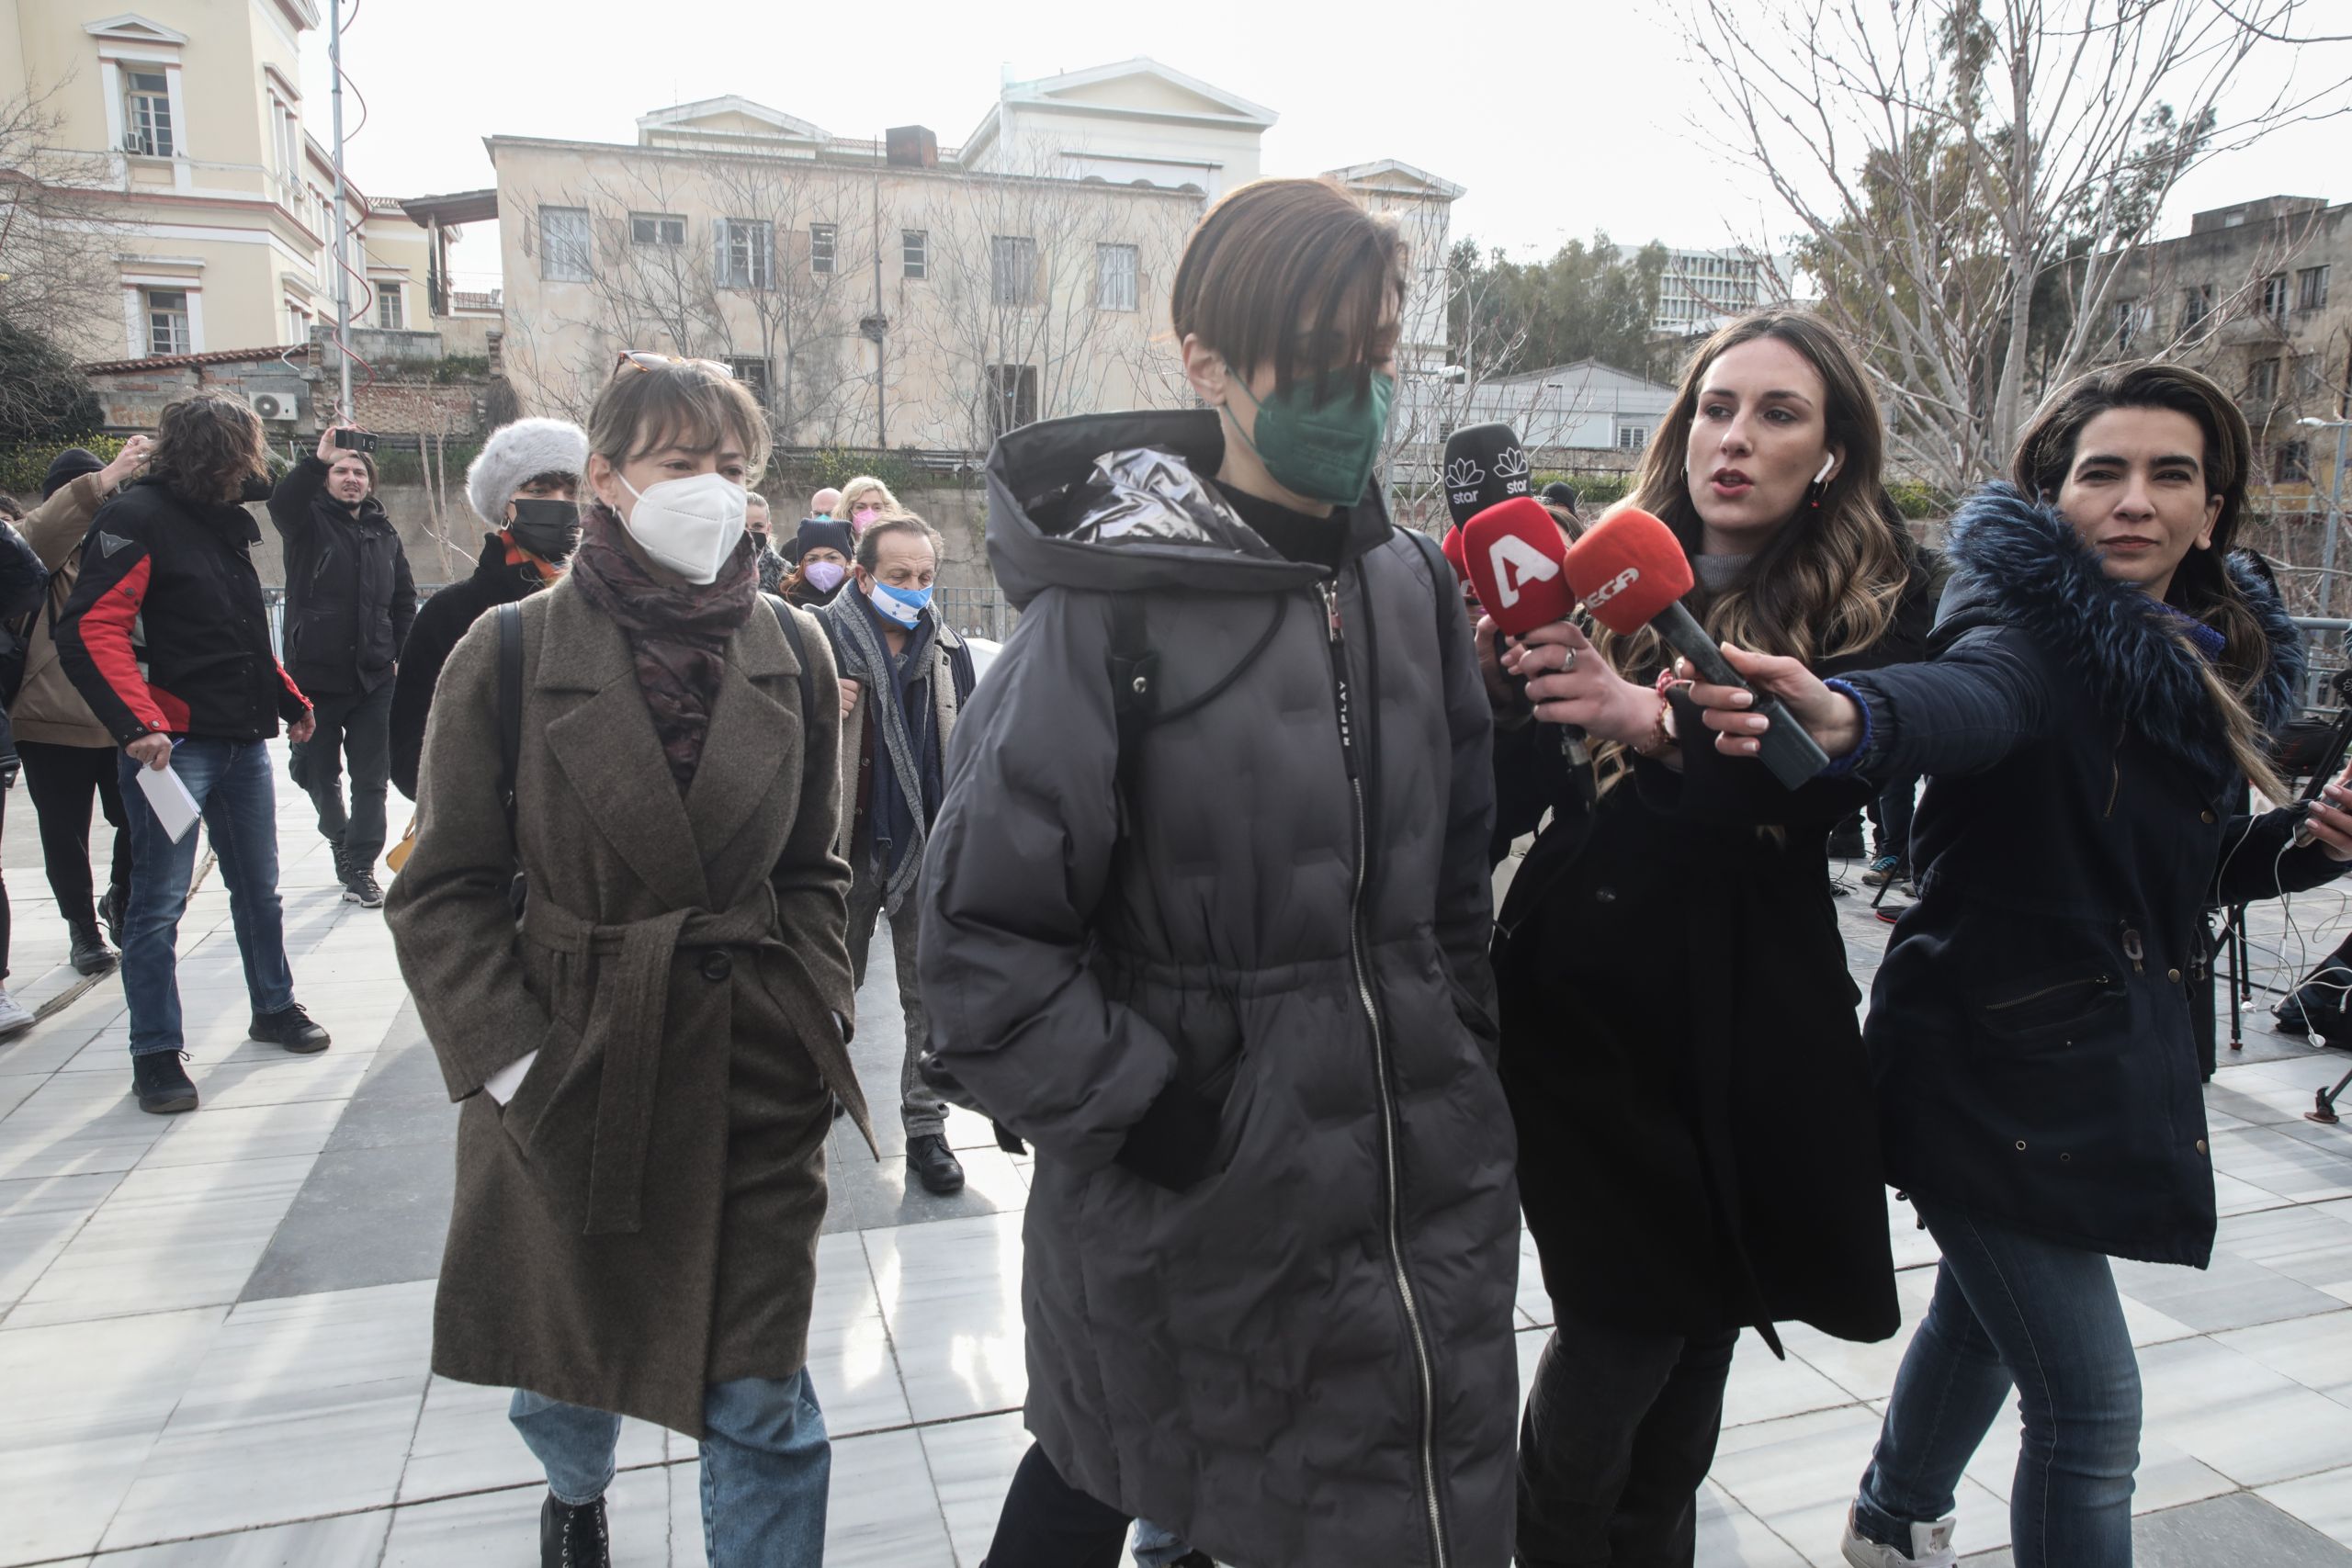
{"points": [[510, 709]]}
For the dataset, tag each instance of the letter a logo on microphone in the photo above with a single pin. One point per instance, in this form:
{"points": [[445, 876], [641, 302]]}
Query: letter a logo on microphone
{"points": [[1517, 562]]}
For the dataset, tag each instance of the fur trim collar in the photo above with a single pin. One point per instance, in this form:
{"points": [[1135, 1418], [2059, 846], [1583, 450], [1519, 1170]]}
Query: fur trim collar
{"points": [[2026, 567]]}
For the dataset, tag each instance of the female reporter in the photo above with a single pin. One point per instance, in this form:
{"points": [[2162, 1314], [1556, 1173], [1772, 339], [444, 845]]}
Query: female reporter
{"points": [[1679, 1045], [1204, 920], [2101, 679]]}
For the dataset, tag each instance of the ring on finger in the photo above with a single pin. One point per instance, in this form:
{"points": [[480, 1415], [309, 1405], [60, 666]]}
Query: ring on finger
{"points": [[1568, 659]]}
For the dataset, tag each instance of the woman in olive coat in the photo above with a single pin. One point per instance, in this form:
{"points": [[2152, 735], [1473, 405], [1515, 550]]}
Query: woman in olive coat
{"points": [[646, 1060]]}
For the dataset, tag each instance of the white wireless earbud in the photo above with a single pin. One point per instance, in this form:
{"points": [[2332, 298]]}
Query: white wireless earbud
{"points": [[1826, 464]]}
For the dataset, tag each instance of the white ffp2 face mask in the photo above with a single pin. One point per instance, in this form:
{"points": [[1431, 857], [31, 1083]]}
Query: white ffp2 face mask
{"points": [[690, 525]]}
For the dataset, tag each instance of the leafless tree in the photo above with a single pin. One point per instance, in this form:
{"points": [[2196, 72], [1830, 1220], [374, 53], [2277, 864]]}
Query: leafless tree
{"points": [[1030, 312], [796, 315], [1970, 179], [59, 280], [1433, 400]]}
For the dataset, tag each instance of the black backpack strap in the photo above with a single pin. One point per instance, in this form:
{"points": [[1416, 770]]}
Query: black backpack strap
{"points": [[510, 708], [1441, 572], [791, 624]]}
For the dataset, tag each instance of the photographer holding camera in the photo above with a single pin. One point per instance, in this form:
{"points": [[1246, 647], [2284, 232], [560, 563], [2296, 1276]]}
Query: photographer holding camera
{"points": [[349, 603]]}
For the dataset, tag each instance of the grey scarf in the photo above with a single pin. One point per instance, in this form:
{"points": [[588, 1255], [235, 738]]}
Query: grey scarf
{"points": [[865, 658]]}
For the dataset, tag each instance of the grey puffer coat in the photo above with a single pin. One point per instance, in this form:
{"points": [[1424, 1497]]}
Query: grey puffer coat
{"points": [[1269, 945]]}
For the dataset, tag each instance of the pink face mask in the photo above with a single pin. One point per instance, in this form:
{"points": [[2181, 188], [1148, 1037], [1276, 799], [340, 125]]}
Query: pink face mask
{"points": [[865, 514]]}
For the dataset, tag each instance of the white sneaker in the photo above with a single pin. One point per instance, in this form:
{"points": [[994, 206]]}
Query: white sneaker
{"points": [[14, 1015], [1930, 1547]]}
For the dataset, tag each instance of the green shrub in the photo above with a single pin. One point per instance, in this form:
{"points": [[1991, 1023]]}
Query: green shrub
{"points": [[1918, 500], [25, 465], [1593, 491], [834, 467]]}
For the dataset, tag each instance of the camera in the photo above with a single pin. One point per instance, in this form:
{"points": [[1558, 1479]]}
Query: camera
{"points": [[355, 440]]}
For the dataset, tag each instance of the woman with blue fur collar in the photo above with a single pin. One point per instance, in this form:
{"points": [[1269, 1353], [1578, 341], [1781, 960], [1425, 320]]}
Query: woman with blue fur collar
{"points": [[2101, 678]]}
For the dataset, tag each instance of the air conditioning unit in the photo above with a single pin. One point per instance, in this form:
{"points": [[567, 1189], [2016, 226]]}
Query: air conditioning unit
{"points": [[275, 407]]}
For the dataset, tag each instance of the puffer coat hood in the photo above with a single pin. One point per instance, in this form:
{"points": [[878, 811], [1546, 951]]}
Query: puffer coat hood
{"points": [[1233, 986]]}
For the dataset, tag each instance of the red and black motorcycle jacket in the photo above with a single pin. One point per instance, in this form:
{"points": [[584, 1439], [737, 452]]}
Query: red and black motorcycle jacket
{"points": [[166, 632]]}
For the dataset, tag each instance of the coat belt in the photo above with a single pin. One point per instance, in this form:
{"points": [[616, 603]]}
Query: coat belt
{"points": [[630, 1025]]}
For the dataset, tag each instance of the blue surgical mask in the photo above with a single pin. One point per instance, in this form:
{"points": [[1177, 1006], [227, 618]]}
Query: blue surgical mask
{"points": [[904, 606]]}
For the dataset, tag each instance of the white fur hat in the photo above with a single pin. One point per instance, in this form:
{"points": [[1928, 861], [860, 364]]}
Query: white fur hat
{"points": [[517, 452]]}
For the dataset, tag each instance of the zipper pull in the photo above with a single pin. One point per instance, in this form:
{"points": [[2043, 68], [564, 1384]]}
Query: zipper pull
{"points": [[2133, 951], [1331, 609]]}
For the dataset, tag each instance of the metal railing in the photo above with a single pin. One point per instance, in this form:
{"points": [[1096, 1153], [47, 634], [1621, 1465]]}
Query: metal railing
{"points": [[975, 612]]}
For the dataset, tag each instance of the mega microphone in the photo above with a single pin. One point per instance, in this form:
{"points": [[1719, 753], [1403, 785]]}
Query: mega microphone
{"points": [[1630, 571], [1484, 465], [1517, 565]]}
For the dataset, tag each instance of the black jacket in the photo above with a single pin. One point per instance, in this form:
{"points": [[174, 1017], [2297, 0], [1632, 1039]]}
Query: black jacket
{"points": [[2030, 1028], [166, 632], [23, 584], [440, 622], [1680, 1040], [1267, 948], [349, 597]]}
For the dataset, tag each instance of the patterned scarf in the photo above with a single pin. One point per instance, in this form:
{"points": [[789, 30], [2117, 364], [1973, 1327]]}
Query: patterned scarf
{"points": [[677, 631]]}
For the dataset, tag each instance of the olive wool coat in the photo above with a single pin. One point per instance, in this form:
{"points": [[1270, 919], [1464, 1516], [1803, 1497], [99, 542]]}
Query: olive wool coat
{"points": [[640, 1219]]}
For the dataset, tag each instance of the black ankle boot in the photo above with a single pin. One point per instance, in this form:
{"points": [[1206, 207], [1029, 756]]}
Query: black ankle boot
{"points": [[89, 955], [573, 1538]]}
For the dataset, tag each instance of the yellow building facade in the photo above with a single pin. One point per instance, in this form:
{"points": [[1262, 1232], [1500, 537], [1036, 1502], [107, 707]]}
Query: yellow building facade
{"points": [[188, 121]]}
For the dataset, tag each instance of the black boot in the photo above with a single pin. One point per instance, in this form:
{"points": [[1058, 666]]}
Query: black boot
{"points": [[573, 1538], [90, 954], [290, 1027], [161, 1083], [931, 1163], [114, 909]]}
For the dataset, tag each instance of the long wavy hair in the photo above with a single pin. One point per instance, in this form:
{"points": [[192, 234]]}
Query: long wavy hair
{"points": [[2201, 586], [1826, 583], [207, 445]]}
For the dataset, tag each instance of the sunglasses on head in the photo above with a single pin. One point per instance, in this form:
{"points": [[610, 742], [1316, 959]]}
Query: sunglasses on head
{"points": [[646, 359]]}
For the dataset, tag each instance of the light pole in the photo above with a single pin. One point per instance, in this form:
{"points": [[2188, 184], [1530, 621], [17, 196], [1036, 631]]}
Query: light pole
{"points": [[2343, 428]]}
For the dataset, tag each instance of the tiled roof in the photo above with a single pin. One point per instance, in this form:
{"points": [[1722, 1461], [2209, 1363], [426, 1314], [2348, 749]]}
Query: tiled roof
{"points": [[176, 361]]}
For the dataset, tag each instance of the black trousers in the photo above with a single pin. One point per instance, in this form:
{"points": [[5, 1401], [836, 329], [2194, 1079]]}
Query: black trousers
{"points": [[1047, 1523], [1619, 1432], [356, 726], [62, 780]]}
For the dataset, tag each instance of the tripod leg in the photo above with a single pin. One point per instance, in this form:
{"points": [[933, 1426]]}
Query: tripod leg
{"points": [[2231, 932], [2325, 1111]]}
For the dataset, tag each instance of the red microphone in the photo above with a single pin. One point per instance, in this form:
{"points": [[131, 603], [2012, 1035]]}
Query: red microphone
{"points": [[1517, 562], [1630, 570]]}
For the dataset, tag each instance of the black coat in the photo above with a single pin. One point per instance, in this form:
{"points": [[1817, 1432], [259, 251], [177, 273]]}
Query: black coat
{"points": [[440, 622], [166, 632], [349, 597], [1681, 1046], [23, 584], [2031, 1027]]}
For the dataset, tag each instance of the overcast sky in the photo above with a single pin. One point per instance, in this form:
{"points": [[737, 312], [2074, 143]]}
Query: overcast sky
{"points": [[1561, 119]]}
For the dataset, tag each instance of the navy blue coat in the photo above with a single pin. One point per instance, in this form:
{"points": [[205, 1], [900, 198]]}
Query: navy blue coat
{"points": [[2029, 1031]]}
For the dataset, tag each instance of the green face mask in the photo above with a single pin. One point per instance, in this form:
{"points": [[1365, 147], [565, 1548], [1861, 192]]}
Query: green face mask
{"points": [[1325, 452]]}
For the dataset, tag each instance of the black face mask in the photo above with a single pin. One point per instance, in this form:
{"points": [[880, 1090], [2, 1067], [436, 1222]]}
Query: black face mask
{"points": [[548, 529]]}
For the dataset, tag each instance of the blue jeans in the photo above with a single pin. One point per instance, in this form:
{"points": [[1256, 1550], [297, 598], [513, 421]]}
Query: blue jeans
{"points": [[2011, 1309], [766, 1464], [230, 780]]}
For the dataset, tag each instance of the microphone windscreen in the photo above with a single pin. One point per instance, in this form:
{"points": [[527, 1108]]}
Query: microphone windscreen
{"points": [[1484, 465], [1627, 568], [1451, 547], [1515, 555]]}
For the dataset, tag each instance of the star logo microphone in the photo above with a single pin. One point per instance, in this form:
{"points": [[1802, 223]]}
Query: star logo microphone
{"points": [[1630, 572], [1484, 465]]}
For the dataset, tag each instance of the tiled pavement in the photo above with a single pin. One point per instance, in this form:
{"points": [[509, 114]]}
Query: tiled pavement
{"points": [[213, 1329]]}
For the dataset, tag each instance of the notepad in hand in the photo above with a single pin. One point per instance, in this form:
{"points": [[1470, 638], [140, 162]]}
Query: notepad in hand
{"points": [[175, 808]]}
